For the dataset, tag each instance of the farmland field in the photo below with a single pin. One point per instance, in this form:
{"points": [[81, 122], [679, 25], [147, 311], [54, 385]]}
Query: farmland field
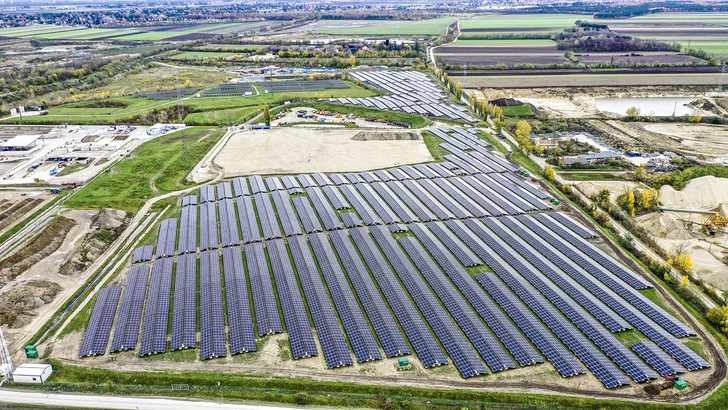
{"points": [[499, 42], [498, 52], [428, 27], [141, 34], [640, 58], [590, 80], [516, 22]]}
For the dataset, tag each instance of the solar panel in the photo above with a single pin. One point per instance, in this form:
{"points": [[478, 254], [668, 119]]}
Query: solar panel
{"points": [[156, 317], [294, 311], [513, 340], [126, 330], [184, 311], [417, 332], [360, 336], [376, 309], [249, 228], [240, 319], [462, 354], [264, 297], [229, 233], [212, 315], [99, 328], [658, 359], [333, 344]]}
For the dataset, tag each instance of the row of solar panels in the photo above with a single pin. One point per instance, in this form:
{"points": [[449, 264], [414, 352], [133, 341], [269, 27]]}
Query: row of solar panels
{"points": [[294, 85], [409, 92], [373, 203], [229, 89], [503, 243], [169, 94]]}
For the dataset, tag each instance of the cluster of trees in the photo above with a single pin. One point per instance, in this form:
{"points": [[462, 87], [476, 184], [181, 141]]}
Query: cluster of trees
{"points": [[455, 87], [607, 41], [33, 83], [523, 137], [636, 201], [678, 179]]}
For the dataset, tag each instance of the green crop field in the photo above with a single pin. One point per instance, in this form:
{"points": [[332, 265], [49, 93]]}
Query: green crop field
{"points": [[429, 27], [698, 19], [127, 185], [505, 42], [522, 21], [718, 47], [152, 35]]}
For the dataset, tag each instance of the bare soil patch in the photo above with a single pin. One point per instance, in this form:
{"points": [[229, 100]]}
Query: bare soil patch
{"points": [[44, 243], [297, 150], [18, 303]]}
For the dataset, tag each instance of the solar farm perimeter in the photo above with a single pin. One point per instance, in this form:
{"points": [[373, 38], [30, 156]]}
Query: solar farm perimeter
{"points": [[460, 263]]}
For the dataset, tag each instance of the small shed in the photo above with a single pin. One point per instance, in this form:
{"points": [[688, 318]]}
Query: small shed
{"points": [[681, 384], [32, 373], [403, 361]]}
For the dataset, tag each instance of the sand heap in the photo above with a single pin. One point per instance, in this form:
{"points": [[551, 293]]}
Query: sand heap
{"points": [[705, 193], [665, 225]]}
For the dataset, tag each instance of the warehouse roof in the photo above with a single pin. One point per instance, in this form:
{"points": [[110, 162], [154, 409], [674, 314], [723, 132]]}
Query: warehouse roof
{"points": [[31, 369], [21, 141]]}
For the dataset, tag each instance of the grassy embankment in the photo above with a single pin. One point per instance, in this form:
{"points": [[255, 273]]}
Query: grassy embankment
{"points": [[210, 110], [127, 185]]}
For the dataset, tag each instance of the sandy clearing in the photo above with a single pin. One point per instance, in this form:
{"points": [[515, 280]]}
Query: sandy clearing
{"points": [[297, 150], [47, 269], [704, 193]]}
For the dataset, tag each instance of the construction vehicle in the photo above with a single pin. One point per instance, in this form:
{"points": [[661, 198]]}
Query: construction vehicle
{"points": [[38, 180], [711, 222]]}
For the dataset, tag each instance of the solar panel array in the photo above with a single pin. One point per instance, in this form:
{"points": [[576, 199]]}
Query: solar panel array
{"points": [[184, 318], [99, 328], [156, 315], [294, 311], [296, 85], [411, 92], [333, 343], [659, 360], [126, 331], [143, 254], [240, 319], [170, 94], [212, 315], [167, 238], [229, 89], [325, 245]]}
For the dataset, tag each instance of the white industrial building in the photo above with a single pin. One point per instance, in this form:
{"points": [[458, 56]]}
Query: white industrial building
{"points": [[32, 373], [21, 143]]}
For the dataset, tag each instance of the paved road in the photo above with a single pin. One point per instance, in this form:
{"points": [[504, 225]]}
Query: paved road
{"points": [[119, 402]]}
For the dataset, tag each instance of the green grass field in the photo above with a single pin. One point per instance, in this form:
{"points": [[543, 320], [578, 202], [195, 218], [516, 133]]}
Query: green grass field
{"points": [[520, 111], [127, 185], [504, 42], [718, 47], [425, 27], [522, 21], [211, 110]]}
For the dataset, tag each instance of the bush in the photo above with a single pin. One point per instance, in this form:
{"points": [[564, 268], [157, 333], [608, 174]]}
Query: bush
{"points": [[301, 398]]}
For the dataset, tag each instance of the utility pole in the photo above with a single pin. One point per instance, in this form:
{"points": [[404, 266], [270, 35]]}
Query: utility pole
{"points": [[6, 366]]}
